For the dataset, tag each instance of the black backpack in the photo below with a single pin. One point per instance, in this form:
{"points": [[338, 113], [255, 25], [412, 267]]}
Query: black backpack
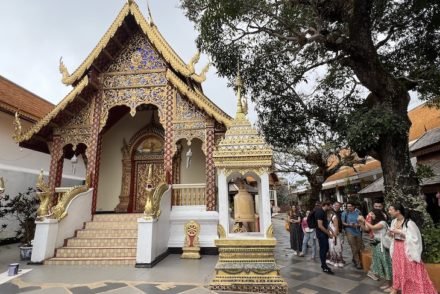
{"points": [[311, 220]]}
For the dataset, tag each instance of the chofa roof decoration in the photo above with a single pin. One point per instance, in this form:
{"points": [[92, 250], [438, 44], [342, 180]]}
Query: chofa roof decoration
{"points": [[153, 34]]}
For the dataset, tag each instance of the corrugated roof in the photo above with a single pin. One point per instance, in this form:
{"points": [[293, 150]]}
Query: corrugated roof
{"points": [[14, 97], [429, 138]]}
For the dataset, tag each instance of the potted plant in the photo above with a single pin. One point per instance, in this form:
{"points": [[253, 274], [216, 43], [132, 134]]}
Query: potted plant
{"points": [[431, 253], [23, 208]]}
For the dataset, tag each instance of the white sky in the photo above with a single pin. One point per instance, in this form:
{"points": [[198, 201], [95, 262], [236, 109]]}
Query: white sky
{"points": [[35, 34]]}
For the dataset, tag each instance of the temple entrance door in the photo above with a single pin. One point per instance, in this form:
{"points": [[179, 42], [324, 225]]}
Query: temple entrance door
{"points": [[149, 151]]}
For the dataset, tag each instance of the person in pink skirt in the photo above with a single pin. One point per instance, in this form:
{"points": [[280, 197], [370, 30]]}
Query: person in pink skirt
{"points": [[409, 273]]}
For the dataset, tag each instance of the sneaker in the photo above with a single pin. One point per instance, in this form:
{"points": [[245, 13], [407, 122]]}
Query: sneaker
{"points": [[372, 276], [327, 270], [295, 253], [301, 254], [340, 264]]}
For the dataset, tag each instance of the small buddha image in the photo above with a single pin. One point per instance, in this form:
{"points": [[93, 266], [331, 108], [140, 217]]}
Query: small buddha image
{"points": [[150, 145]]}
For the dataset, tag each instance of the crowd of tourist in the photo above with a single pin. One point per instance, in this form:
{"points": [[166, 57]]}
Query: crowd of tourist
{"points": [[394, 238]]}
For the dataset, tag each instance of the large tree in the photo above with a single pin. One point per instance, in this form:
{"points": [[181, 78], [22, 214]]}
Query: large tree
{"points": [[376, 50]]}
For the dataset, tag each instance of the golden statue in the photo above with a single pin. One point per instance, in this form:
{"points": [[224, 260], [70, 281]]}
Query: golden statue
{"points": [[43, 192], [153, 195], [191, 248]]}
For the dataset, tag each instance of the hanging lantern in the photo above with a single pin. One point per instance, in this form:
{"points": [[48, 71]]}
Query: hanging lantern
{"points": [[244, 206], [188, 158], [74, 161]]}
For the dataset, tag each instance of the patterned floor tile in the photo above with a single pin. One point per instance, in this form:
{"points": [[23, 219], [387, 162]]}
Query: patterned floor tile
{"points": [[159, 289], [310, 289]]}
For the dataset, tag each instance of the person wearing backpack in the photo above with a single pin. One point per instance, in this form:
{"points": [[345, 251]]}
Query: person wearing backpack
{"points": [[323, 234], [309, 234]]}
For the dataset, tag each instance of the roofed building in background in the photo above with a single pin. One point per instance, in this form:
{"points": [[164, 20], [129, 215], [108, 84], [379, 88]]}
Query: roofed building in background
{"points": [[366, 179], [20, 167]]}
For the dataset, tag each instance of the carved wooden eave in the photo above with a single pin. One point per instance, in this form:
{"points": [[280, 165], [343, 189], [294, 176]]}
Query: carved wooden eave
{"points": [[199, 99], [153, 34], [36, 128]]}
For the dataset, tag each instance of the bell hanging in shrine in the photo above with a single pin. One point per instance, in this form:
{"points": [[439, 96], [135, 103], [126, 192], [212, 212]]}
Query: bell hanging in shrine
{"points": [[244, 206]]}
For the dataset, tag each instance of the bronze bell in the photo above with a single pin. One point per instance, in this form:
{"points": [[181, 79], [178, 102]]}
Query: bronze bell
{"points": [[244, 206]]}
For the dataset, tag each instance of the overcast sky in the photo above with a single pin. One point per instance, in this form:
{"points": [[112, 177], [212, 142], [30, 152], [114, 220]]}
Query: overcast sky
{"points": [[35, 34]]}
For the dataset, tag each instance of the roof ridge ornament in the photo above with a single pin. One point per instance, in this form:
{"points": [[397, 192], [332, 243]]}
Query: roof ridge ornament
{"points": [[63, 70], [192, 62], [150, 16]]}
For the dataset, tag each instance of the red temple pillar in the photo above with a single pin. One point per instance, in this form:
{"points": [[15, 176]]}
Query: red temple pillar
{"points": [[168, 148], [94, 149], [56, 163], [210, 169]]}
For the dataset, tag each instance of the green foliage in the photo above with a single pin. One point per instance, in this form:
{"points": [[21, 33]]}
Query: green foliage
{"points": [[424, 172], [431, 246], [367, 125], [23, 208]]}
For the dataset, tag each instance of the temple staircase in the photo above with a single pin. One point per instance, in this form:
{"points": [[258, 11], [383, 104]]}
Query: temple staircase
{"points": [[109, 239]]}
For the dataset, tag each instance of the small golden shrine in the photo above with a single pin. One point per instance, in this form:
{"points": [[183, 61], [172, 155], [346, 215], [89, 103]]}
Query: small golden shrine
{"points": [[191, 249], [243, 148]]}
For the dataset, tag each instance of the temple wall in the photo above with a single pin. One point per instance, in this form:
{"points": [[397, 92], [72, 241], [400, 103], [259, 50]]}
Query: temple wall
{"points": [[196, 172], [21, 168], [110, 169]]}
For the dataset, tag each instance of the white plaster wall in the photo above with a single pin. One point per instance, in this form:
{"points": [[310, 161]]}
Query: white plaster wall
{"points": [[79, 211], [196, 172], [20, 167], [110, 169]]}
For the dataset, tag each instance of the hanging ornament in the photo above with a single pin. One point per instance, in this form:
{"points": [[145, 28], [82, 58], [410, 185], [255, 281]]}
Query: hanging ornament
{"points": [[74, 161], [188, 158]]}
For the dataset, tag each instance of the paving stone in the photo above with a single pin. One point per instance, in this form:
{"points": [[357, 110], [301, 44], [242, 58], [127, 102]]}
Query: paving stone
{"points": [[156, 289], [108, 287], [310, 289]]}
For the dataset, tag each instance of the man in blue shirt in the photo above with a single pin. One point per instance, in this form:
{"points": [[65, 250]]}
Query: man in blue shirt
{"points": [[353, 232]]}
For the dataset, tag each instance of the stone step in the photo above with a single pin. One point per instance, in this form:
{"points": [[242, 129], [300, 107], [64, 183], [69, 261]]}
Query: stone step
{"points": [[102, 242], [111, 225], [127, 261], [107, 233], [117, 217], [100, 252]]}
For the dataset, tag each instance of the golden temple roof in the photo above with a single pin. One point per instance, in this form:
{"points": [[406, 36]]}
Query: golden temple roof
{"points": [[153, 34], [242, 146], [80, 80]]}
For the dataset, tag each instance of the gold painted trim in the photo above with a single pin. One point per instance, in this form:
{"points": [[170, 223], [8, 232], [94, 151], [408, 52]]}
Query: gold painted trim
{"points": [[199, 99], [44, 121]]}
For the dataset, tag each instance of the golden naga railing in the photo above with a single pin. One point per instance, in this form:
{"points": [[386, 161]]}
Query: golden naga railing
{"points": [[188, 194], [54, 205]]}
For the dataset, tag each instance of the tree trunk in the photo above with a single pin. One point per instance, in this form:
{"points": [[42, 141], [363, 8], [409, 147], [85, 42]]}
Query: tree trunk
{"points": [[400, 182], [387, 92], [316, 187]]}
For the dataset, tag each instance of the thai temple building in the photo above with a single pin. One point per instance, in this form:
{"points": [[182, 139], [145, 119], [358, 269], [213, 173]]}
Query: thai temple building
{"points": [[158, 154]]}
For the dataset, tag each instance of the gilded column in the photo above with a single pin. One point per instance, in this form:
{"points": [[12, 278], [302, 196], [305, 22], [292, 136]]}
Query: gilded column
{"points": [[168, 152], [56, 163], [94, 149], [210, 169]]}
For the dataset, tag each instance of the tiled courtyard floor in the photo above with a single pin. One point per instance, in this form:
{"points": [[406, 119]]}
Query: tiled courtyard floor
{"points": [[173, 275]]}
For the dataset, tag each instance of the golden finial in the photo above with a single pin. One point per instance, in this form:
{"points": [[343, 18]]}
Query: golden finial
{"points": [[63, 69], [193, 62], [149, 12], [17, 127], [2, 185], [239, 85], [202, 76]]}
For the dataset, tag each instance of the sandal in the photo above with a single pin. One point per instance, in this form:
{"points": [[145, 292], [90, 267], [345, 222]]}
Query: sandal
{"points": [[384, 287]]}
